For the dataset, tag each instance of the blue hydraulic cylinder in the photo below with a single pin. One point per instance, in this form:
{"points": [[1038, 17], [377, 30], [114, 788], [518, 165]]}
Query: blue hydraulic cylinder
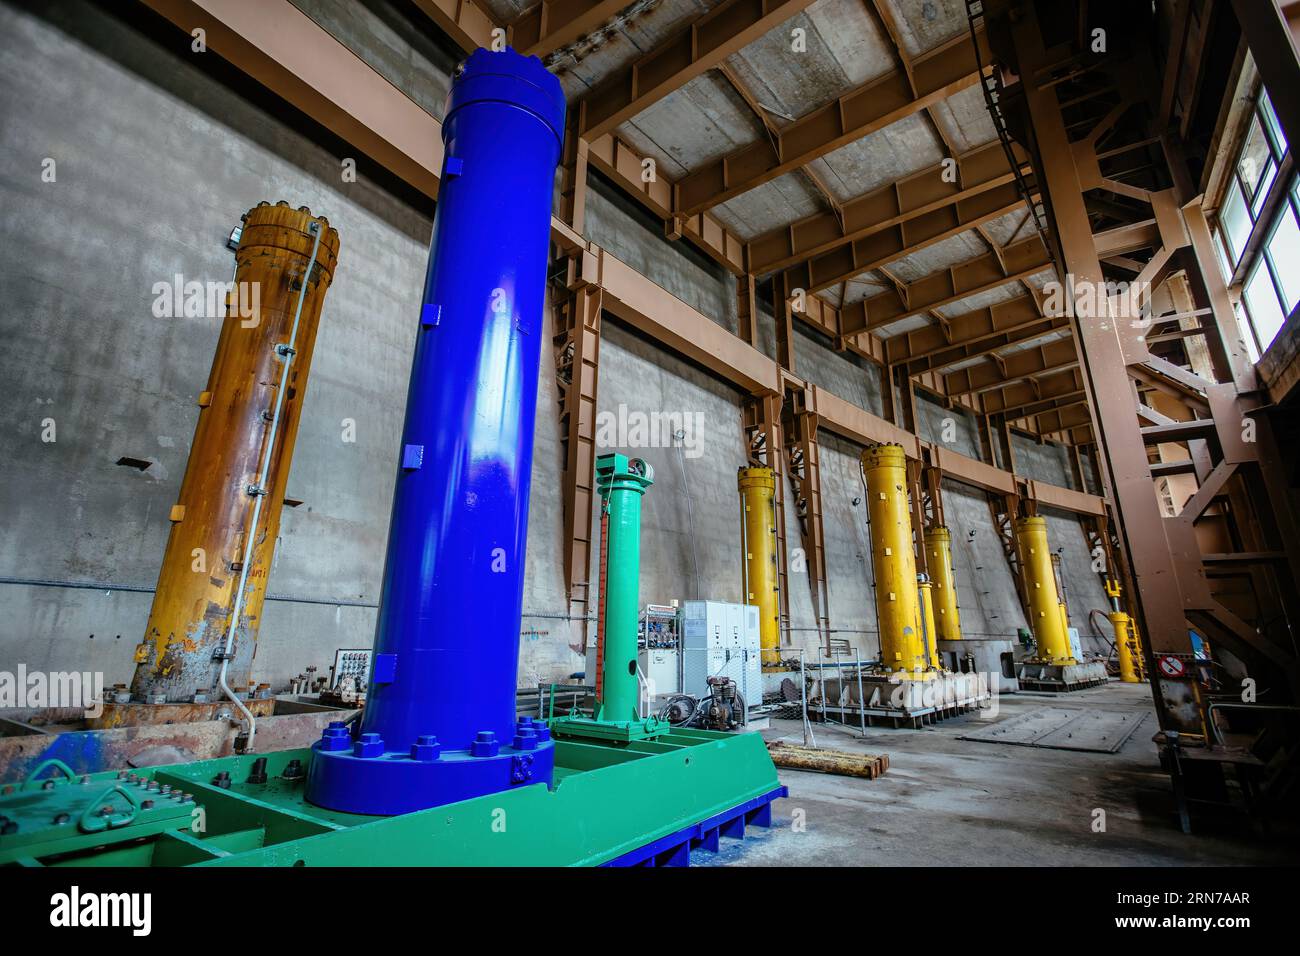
{"points": [[440, 722]]}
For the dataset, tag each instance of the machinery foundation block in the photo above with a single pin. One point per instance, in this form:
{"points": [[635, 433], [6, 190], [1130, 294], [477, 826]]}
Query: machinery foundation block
{"points": [[140, 714], [876, 697], [587, 728], [1037, 675]]}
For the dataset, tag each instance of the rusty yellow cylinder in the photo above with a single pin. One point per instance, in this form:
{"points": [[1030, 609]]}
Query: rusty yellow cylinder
{"points": [[180, 656], [902, 643], [1047, 613], [938, 545], [761, 578], [929, 635]]}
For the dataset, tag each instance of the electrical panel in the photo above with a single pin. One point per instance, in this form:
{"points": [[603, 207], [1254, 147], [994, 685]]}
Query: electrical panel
{"points": [[354, 663], [721, 640], [659, 666]]}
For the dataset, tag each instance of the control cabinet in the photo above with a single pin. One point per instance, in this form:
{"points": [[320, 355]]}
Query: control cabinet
{"points": [[721, 640]]}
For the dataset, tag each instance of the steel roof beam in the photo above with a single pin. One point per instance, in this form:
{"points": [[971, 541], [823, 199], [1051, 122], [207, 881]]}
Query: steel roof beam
{"points": [[687, 54], [978, 171], [938, 74], [556, 23]]}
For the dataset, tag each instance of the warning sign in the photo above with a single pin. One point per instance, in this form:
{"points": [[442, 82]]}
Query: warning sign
{"points": [[1171, 666]]}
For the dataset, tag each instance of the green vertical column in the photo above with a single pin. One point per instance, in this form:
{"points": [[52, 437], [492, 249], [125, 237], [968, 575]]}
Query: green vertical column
{"points": [[621, 482]]}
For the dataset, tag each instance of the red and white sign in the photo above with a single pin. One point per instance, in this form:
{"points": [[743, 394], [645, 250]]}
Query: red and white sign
{"points": [[1171, 666]]}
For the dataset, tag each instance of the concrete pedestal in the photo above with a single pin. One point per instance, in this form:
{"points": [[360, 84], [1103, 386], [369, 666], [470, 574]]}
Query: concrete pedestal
{"points": [[1036, 675]]}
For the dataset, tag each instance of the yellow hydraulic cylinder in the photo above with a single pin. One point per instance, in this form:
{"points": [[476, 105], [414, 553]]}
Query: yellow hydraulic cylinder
{"points": [[1047, 614], [1128, 645], [947, 622], [1126, 648], [284, 266], [902, 642], [928, 632], [761, 579]]}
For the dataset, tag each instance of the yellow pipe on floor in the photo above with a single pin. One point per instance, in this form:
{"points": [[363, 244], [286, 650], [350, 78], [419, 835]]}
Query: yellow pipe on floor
{"points": [[902, 642], [1047, 614], [761, 582], [947, 622]]}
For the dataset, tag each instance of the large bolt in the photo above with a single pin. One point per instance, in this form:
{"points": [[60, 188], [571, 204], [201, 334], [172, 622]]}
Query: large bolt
{"points": [[485, 745]]}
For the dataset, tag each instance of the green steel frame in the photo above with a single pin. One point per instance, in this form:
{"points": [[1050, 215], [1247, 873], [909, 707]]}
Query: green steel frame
{"points": [[609, 802]]}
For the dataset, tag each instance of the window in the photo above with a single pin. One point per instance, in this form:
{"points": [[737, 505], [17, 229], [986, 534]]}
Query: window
{"points": [[1255, 166], [1284, 252], [1261, 302], [1236, 223], [1271, 289], [1274, 127]]}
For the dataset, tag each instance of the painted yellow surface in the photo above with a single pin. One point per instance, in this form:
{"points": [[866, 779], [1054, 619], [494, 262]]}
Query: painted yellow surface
{"points": [[898, 601], [947, 621], [761, 578], [1047, 614]]}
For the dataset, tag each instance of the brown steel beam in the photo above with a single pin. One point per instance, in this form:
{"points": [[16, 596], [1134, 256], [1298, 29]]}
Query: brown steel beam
{"points": [[1063, 419], [923, 192], [686, 55], [577, 359], [942, 361], [858, 113], [1030, 363], [462, 20], [1126, 471], [978, 325], [803, 457], [1021, 396], [893, 242], [625, 166], [946, 286], [287, 52], [556, 23]]}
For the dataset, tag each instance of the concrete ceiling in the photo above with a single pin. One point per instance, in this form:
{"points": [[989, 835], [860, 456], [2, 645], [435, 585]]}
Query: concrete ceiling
{"points": [[847, 46]]}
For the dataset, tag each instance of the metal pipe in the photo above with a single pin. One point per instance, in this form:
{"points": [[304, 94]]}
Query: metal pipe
{"points": [[759, 571], [207, 605], [1047, 615], [258, 491], [621, 481], [926, 603], [898, 602], [947, 621], [440, 722]]}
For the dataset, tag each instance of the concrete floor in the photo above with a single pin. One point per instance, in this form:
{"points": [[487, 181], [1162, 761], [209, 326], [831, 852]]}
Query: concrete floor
{"points": [[951, 802]]}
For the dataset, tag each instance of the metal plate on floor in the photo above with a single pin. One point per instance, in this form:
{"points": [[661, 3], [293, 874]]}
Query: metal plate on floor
{"points": [[1063, 728]]}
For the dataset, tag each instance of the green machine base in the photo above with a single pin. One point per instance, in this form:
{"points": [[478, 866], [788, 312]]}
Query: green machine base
{"points": [[643, 802], [625, 731]]}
